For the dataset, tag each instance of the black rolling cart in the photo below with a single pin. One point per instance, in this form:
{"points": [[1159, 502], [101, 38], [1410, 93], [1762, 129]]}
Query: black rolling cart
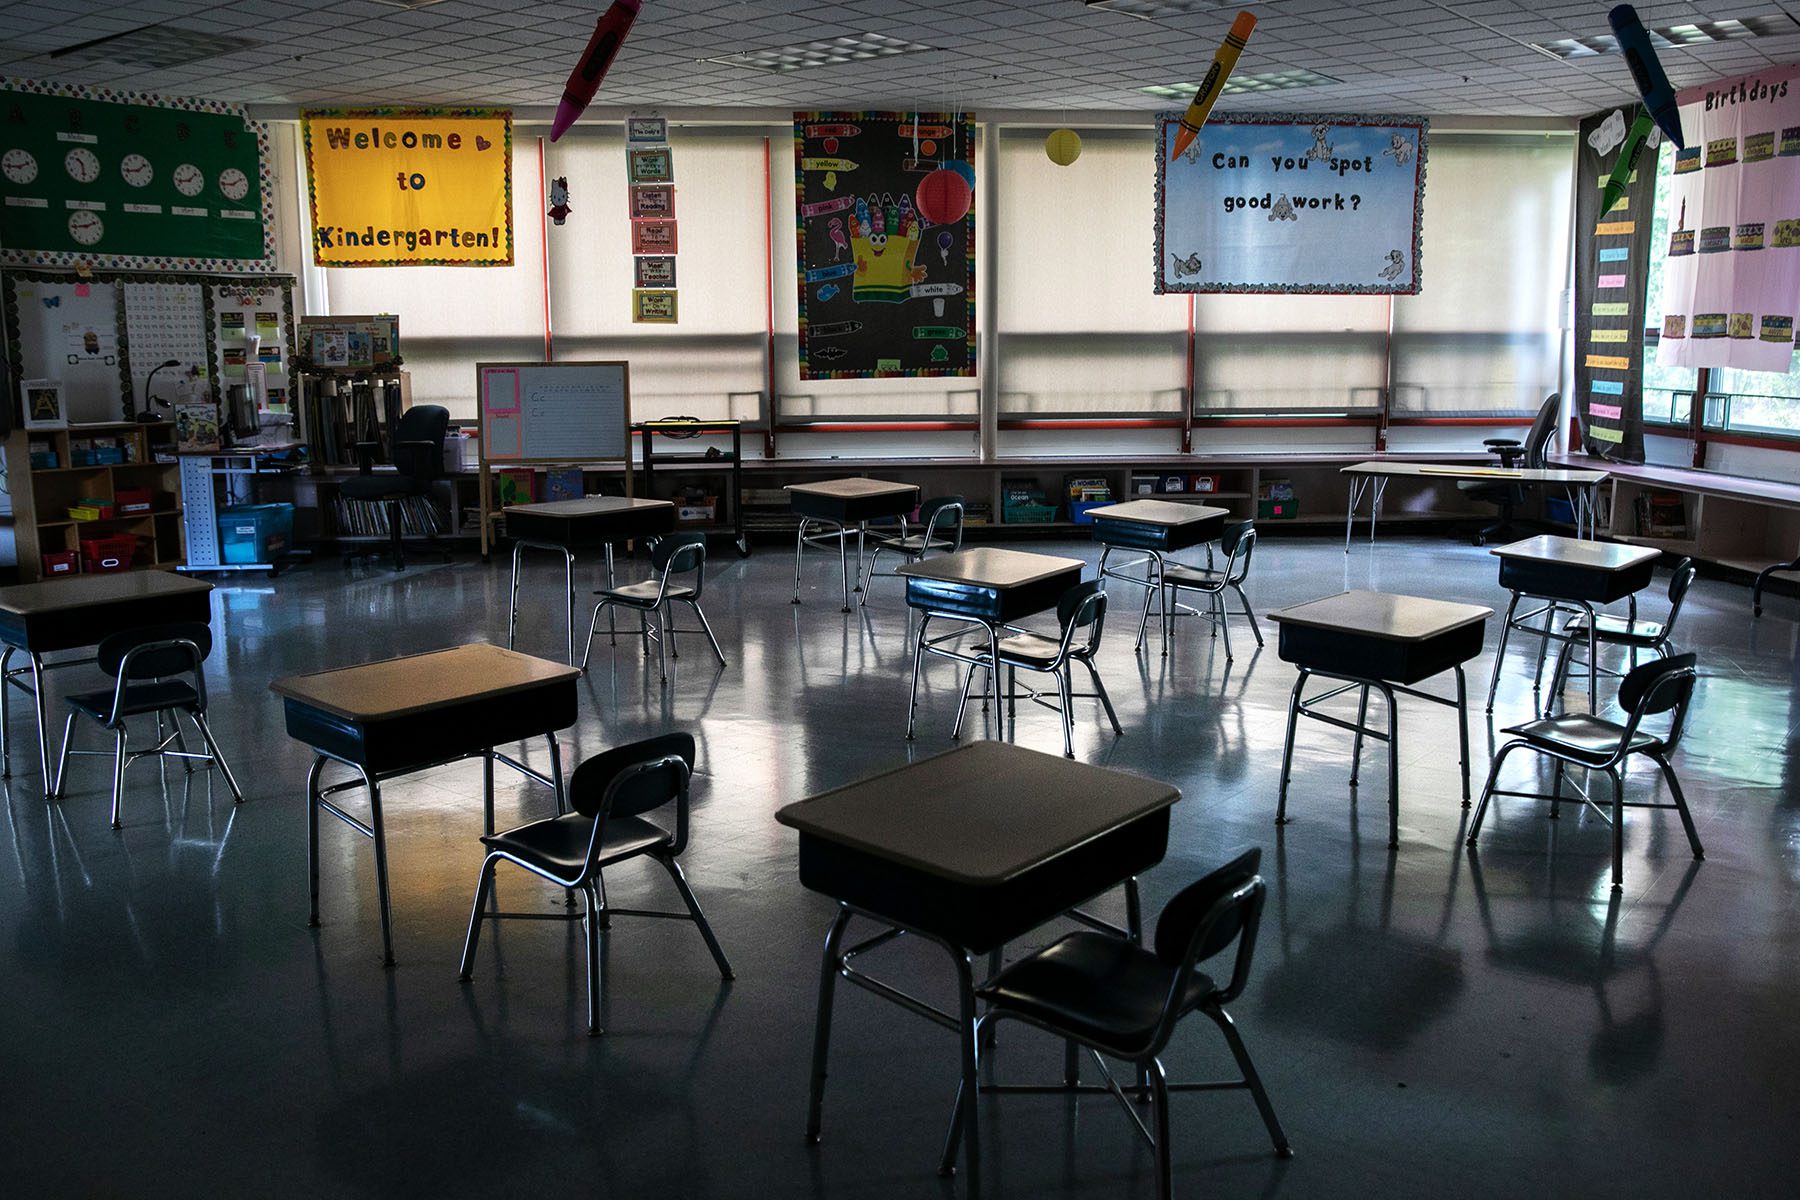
{"points": [[693, 462]]}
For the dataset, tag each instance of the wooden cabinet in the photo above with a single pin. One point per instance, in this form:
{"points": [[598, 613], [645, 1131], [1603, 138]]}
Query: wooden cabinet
{"points": [[43, 495]]}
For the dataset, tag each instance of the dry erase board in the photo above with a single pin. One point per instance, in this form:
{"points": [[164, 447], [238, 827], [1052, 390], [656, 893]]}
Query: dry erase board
{"points": [[573, 412]]}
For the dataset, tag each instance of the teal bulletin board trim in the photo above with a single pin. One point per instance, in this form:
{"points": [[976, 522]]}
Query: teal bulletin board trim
{"points": [[126, 181]]}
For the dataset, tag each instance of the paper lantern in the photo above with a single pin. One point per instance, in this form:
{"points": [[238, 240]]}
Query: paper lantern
{"points": [[965, 170], [944, 197], [1063, 146]]}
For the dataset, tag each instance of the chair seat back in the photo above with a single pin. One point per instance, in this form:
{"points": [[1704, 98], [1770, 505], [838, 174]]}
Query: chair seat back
{"points": [[593, 779], [160, 660]]}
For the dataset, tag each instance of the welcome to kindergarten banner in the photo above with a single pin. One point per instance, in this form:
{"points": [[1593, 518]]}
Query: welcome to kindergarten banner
{"points": [[410, 187], [1731, 282]]}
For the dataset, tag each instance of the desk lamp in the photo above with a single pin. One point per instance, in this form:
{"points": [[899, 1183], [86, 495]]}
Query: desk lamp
{"points": [[149, 413]]}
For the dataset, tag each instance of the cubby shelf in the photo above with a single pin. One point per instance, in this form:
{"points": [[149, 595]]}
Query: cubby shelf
{"points": [[42, 496]]}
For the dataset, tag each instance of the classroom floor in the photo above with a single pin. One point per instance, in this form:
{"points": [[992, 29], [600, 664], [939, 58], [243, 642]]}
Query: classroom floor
{"points": [[1427, 1021]]}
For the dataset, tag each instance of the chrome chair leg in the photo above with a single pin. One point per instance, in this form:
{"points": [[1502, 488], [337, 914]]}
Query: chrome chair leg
{"points": [[1255, 631], [693, 906], [118, 772], [1681, 805], [1500, 651], [483, 885], [962, 705], [706, 626], [1618, 828], [828, 973], [1356, 744], [212, 748], [912, 702], [512, 607], [1224, 625], [799, 545], [593, 959], [1287, 753], [180, 741], [868, 584], [1068, 711], [1105, 700], [662, 639], [1252, 1080], [593, 632], [1487, 790], [54, 790], [1159, 1091]]}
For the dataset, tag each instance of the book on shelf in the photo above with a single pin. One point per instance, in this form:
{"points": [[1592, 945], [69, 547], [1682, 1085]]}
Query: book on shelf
{"points": [[1661, 514]]}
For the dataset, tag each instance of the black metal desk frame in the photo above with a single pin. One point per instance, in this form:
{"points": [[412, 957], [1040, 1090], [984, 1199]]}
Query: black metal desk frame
{"points": [[1153, 540]]}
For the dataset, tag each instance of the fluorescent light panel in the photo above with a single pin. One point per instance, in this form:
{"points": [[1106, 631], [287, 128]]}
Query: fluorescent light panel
{"points": [[829, 53], [158, 47], [1240, 85], [1696, 33]]}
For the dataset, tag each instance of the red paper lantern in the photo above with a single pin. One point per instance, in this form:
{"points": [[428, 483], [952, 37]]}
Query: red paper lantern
{"points": [[944, 197]]}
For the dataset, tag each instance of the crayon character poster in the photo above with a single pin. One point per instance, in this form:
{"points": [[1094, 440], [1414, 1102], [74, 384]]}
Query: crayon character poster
{"points": [[885, 232], [1323, 204]]}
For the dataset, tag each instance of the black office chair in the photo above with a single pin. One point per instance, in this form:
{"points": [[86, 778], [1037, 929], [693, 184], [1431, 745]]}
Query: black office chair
{"points": [[612, 794], [680, 554], [1238, 541], [1107, 994], [1634, 636], [147, 666], [418, 454], [1593, 742], [1505, 494], [941, 519], [1082, 610]]}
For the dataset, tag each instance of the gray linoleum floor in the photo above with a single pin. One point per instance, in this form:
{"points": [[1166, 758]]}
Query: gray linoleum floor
{"points": [[1428, 1022]]}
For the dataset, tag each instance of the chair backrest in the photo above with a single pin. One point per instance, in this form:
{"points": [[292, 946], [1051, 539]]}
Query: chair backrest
{"points": [[1543, 429], [1203, 920], [679, 553], [593, 780], [1082, 607], [942, 517], [1679, 583], [161, 659], [1658, 687], [1238, 541], [427, 423]]}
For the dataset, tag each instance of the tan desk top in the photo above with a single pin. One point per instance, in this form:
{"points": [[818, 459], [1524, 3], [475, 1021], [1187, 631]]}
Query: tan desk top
{"points": [[1574, 552], [418, 683], [1383, 615]]}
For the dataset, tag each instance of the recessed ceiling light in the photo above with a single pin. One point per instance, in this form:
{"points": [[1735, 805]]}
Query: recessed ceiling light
{"points": [[1696, 33], [158, 47], [1267, 81], [829, 53], [1150, 10]]}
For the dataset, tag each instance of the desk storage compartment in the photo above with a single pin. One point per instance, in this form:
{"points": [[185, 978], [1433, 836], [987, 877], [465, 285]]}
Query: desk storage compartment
{"points": [[411, 741], [575, 529], [1140, 535], [849, 510], [999, 605], [981, 918], [1559, 581], [253, 533], [1338, 652]]}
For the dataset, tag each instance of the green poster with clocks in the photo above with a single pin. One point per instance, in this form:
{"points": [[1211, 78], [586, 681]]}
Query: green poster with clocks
{"points": [[131, 182]]}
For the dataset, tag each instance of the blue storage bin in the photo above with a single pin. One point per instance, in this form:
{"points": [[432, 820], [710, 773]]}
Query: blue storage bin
{"points": [[253, 533]]}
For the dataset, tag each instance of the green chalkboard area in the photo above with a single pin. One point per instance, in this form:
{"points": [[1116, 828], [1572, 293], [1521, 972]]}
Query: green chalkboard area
{"points": [[885, 236], [138, 185]]}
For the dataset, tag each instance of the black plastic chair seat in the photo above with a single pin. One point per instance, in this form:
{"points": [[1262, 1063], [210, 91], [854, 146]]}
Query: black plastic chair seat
{"points": [[643, 595], [378, 487], [139, 698], [1618, 630], [1103, 990], [914, 543], [1193, 577], [1029, 650], [559, 845], [1581, 735]]}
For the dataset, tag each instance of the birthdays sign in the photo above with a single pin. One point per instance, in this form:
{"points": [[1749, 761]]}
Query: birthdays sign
{"points": [[1283, 203], [410, 187]]}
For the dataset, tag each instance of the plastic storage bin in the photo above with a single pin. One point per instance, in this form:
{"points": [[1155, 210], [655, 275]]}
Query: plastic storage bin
{"points": [[107, 553], [255, 533], [62, 562]]}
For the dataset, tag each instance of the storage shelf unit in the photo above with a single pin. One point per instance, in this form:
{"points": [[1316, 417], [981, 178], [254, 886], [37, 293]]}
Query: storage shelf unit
{"points": [[42, 497], [678, 466]]}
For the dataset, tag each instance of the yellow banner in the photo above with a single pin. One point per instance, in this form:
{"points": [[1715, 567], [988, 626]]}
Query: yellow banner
{"points": [[410, 187]]}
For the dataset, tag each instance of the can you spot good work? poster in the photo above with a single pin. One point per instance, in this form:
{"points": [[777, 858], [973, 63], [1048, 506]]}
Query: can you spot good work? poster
{"points": [[1284, 203]]}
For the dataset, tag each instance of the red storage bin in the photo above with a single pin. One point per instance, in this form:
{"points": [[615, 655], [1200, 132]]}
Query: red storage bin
{"points": [[111, 552], [62, 562], [132, 501]]}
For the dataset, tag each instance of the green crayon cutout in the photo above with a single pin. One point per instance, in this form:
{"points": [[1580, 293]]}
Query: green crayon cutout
{"points": [[1628, 156]]}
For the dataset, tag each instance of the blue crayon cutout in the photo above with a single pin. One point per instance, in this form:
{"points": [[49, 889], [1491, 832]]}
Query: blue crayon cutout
{"points": [[1647, 72]]}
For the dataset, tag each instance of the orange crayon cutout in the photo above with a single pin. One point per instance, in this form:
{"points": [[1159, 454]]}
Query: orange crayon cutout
{"points": [[1208, 92]]}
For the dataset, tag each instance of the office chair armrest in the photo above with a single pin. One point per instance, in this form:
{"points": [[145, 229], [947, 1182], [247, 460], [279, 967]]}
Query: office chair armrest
{"points": [[432, 455], [1509, 450]]}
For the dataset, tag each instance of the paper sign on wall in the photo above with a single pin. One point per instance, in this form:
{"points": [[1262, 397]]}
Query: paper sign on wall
{"points": [[410, 187]]}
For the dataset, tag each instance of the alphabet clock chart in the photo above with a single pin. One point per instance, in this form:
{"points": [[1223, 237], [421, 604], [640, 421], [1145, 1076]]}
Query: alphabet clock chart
{"points": [[124, 181], [1280, 203]]}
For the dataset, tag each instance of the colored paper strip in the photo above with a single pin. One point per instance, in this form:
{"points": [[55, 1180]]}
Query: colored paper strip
{"points": [[1609, 387], [1616, 254], [1610, 281], [1615, 227], [1602, 434], [1610, 336], [1616, 308], [1606, 412], [1601, 362]]}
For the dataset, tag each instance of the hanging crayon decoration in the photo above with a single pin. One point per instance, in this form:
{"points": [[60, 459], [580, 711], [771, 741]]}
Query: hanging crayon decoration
{"points": [[1207, 94], [1646, 71], [944, 197], [1063, 146], [585, 79], [559, 200], [1629, 152]]}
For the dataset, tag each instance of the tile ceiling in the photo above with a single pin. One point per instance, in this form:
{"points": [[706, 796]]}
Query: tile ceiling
{"points": [[1390, 55]]}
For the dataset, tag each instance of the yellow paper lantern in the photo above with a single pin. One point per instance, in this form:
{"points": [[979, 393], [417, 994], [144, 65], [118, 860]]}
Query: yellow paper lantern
{"points": [[1063, 146]]}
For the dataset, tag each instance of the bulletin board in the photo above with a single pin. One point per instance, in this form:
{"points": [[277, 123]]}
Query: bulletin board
{"points": [[885, 227], [1323, 204], [127, 181], [100, 337]]}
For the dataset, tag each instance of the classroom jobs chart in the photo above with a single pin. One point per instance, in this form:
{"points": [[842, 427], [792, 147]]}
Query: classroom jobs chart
{"points": [[1324, 204], [885, 226]]}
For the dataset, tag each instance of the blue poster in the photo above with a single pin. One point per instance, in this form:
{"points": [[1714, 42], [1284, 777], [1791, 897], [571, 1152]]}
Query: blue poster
{"points": [[1282, 203]]}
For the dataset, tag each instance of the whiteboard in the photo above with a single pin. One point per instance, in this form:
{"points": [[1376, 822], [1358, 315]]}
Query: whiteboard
{"points": [[68, 330], [573, 412]]}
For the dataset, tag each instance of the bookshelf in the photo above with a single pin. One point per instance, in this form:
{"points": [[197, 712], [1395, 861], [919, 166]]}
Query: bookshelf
{"points": [[43, 495]]}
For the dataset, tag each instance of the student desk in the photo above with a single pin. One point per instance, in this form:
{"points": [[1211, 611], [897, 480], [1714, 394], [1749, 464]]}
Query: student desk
{"points": [[70, 614], [846, 504], [1157, 527], [391, 718], [986, 587], [1563, 571], [968, 850], [1381, 641], [1372, 477], [565, 526]]}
